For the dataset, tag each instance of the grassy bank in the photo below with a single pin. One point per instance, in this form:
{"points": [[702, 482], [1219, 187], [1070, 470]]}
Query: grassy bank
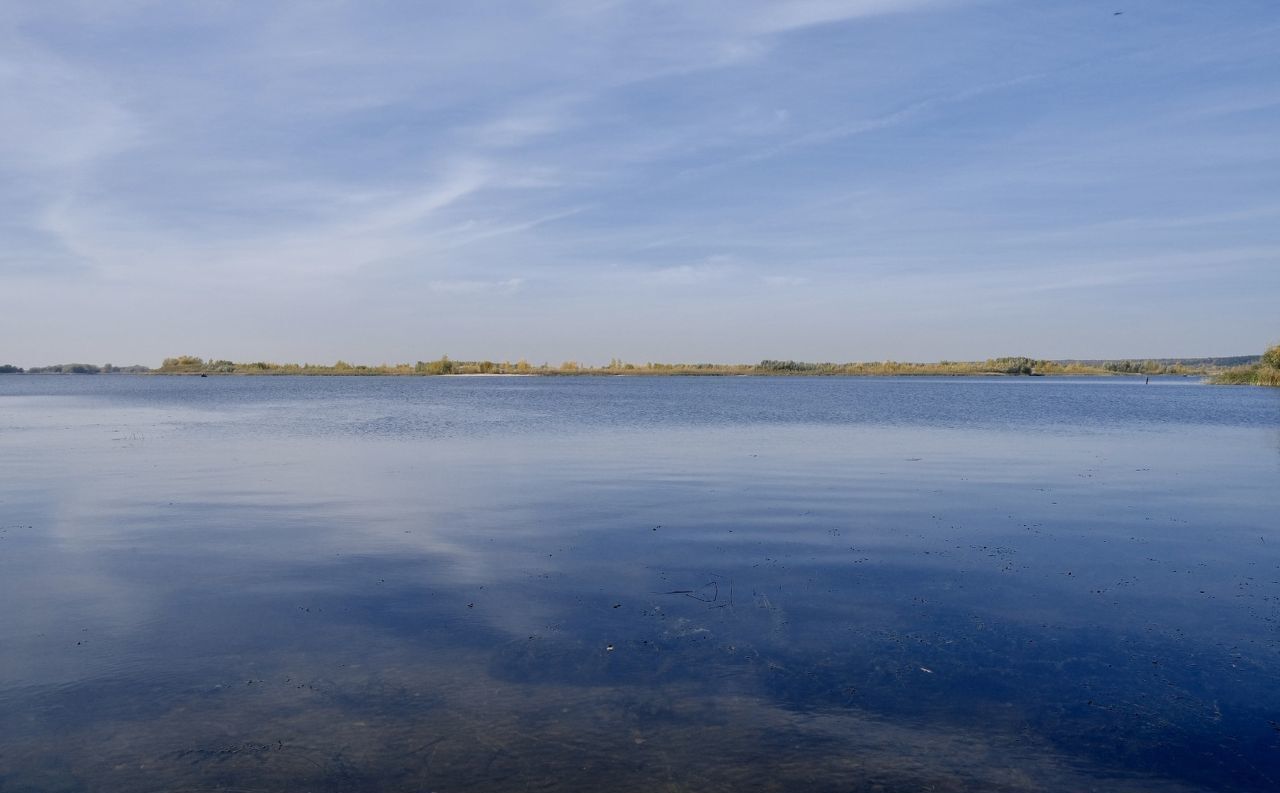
{"points": [[1265, 372]]}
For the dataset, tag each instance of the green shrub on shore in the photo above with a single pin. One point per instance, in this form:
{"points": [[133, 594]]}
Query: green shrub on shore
{"points": [[1271, 358], [1265, 372]]}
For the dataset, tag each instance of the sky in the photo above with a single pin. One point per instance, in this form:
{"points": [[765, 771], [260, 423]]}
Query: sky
{"points": [[676, 180]]}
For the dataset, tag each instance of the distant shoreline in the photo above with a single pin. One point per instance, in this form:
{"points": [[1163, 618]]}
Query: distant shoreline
{"points": [[652, 374], [1225, 369], [639, 374]]}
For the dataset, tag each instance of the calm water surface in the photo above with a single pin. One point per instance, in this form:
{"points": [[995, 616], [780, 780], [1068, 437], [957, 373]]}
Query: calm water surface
{"points": [[450, 584]]}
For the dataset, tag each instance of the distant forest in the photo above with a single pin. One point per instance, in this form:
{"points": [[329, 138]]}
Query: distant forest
{"points": [[75, 368], [1224, 368]]}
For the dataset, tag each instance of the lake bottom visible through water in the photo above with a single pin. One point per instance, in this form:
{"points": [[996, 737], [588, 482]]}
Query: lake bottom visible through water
{"points": [[365, 584]]}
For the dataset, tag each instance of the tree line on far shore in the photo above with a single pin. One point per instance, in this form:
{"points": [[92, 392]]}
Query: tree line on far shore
{"points": [[1014, 365], [74, 368], [1261, 370]]}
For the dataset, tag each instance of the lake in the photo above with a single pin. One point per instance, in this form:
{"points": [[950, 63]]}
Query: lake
{"points": [[638, 584]]}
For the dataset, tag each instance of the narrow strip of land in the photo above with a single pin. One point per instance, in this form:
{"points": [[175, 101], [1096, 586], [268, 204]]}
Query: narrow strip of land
{"points": [[1264, 369]]}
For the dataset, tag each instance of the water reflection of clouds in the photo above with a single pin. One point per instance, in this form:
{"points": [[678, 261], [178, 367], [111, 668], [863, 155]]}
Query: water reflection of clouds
{"points": [[501, 515], [894, 592]]}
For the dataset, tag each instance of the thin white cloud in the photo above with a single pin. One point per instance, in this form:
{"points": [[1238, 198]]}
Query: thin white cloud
{"points": [[776, 17], [468, 287], [913, 112], [56, 117], [415, 207], [714, 268], [523, 123], [784, 281]]}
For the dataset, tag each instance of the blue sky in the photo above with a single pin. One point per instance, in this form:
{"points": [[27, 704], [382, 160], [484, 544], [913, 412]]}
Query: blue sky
{"points": [[727, 180]]}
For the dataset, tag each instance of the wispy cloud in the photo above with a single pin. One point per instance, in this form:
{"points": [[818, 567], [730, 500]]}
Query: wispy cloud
{"points": [[902, 155], [524, 123], [714, 268], [779, 17], [463, 287], [56, 117], [419, 205], [784, 281]]}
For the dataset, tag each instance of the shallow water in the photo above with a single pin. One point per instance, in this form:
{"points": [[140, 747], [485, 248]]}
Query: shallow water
{"points": [[401, 584]]}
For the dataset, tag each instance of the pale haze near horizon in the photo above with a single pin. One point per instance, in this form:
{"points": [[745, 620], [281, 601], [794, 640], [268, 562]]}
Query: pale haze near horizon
{"points": [[714, 181]]}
